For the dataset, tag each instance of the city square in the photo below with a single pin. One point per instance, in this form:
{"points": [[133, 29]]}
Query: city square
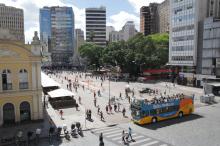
{"points": [[109, 73]]}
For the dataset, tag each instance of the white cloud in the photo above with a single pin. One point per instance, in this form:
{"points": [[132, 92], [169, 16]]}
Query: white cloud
{"points": [[121, 18], [137, 4], [31, 13]]}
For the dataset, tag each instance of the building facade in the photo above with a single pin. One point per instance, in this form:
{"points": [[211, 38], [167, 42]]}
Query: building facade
{"points": [[149, 19], [128, 31], [211, 47], [20, 80], [109, 29], [79, 39], [57, 30], [213, 8], [12, 18], [116, 36], [185, 16], [96, 26], [164, 16]]}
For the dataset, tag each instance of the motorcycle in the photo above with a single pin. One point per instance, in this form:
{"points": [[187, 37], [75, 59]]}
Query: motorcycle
{"points": [[74, 132], [79, 129]]}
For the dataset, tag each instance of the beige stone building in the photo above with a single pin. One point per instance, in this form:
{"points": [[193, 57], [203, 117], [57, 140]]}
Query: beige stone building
{"points": [[12, 18], [164, 16], [20, 80]]}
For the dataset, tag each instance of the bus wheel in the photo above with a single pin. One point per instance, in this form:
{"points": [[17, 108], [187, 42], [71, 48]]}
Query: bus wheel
{"points": [[154, 120], [180, 114]]}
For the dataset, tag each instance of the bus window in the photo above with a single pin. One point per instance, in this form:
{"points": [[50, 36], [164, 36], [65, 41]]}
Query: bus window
{"points": [[153, 112]]}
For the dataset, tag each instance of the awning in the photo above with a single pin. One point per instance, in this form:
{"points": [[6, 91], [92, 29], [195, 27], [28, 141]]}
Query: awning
{"points": [[60, 93], [215, 84], [46, 81]]}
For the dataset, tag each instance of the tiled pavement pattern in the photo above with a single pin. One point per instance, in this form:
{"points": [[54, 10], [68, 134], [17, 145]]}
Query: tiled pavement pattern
{"points": [[114, 134]]}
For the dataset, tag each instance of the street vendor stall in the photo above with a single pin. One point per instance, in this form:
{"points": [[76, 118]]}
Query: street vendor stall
{"points": [[48, 84], [61, 98]]}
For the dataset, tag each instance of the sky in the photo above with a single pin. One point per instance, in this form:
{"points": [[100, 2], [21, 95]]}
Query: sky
{"points": [[118, 11]]}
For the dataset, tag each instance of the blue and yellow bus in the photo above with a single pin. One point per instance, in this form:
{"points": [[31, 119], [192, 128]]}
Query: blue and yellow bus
{"points": [[145, 112]]}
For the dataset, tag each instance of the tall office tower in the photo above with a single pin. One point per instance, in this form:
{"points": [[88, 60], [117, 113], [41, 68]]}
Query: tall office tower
{"points": [[96, 26], [211, 47], [109, 29], [164, 16], [79, 39], [57, 29], [12, 18], [129, 30], [149, 19], [213, 8], [183, 41]]}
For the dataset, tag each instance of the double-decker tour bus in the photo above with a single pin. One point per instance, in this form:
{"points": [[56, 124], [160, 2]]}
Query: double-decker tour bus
{"points": [[144, 111]]}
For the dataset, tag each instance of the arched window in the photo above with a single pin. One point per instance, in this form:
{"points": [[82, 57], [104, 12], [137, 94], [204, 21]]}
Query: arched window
{"points": [[23, 79], [25, 111], [8, 113], [6, 79]]}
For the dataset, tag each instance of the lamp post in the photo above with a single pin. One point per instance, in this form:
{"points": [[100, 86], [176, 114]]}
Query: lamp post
{"points": [[109, 87]]}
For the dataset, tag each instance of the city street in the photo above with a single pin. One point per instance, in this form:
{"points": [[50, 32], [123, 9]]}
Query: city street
{"points": [[176, 132]]}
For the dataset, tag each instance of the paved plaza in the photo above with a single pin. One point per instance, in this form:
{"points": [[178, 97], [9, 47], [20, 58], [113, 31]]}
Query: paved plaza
{"points": [[188, 131]]}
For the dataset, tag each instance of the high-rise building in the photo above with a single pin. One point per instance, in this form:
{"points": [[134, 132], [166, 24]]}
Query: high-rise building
{"points": [[213, 8], [128, 31], [149, 19], [211, 47], [12, 18], [109, 29], [185, 17], [164, 16], [57, 29], [96, 26], [79, 39]]}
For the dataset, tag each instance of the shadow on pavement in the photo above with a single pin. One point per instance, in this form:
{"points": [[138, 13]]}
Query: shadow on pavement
{"points": [[170, 122]]}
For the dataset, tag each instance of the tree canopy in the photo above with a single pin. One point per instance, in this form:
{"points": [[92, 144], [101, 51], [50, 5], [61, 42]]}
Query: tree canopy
{"points": [[138, 53]]}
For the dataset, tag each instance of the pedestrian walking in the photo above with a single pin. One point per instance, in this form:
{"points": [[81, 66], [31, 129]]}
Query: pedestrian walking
{"points": [[79, 100], [115, 107], [106, 108], [95, 102], [101, 115], [98, 110], [110, 108], [61, 114], [120, 95], [123, 112], [130, 133], [101, 142], [123, 136], [77, 106], [118, 106]]}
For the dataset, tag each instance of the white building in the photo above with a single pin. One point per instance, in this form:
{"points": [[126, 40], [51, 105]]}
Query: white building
{"points": [[185, 16], [109, 29], [128, 31]]}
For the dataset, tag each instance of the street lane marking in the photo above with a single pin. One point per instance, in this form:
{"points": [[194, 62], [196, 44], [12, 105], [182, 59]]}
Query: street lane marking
{"points": [[115, 131], [135, 138], [117, 134], [140, 141], [99, 131], [163, 145], [104, 128], [151, 143], [121, 137]]}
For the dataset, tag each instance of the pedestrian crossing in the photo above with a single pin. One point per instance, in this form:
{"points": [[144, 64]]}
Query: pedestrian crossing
{"points": [[114, 134]]}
